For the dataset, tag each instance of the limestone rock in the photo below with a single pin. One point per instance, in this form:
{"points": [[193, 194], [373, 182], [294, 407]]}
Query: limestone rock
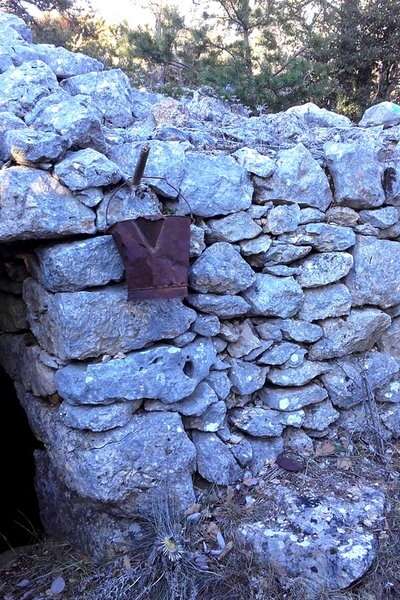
{"points": [[357, 174], [232, 228], [283, 254], [246, 377], [274, 296], [299, 331], [283, 218], [220, 383], [302, 545], [355, 333], [381, 218], [254, 162], [264, 452], [259, 245], [74, 118], [85, 169], [215, 462], [384, 113], [78, 265], [215, 185], [211, 420], [314, 116], [126, 203], [322, 236], [110, 92], [80, 325], [161, 373], [197, 244], [289, 399], [28, 146], [325, 268], [297, 376], [96, 418], [207, 325], [389, 341], [125, 467], [375, 278], [246, 342], [21, 88], [16, 23], [319, 416], [65, 63], [194, 405], [264, 422], [12, 313], [8, 122], [327, 301], [286, 352], [35, 205], [224, 306], [297, 178], [221, 269], [342, 215]]}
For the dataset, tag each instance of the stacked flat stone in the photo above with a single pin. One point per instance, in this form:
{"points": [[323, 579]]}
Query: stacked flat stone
{"points": [[294, 299]]}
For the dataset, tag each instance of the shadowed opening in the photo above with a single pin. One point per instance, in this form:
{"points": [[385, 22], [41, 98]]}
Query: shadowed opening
{"points": [[19, 514]]}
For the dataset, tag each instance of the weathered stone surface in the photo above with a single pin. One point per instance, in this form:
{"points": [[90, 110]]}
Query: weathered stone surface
{"points": [[274, 296], [220, 383], [384, 113], [375, 278], [322, 236], [327, 301], [289, 399], [215, 185], [207, 325], [215, 462], [65, 63], [322, 269], [110, 92], [12, 21], [297, 178], [283, 218], [225, 307], [246, 377], [280, 253], [299, 331], [124, 467], [22, 87], [390, 340], [35, 205], [74, 118], [254, 162], [221, 269], [162, 373], [197, 244], [77, 265], [126, 203], [211, 420], [79, 325], [315, 116], [85, 169], [8, 122], [286, 352], [194, 405], [342, 215], [318, 550], [296, 376], [164, 168], [311, 215], [246, 342], [296, 440], [355, 333], [380, 217], [264, 422], [264, 452], [346, 381], [357, 174], [232, 228], [258, 245], [28, 146], [97, 418], [320, 416]]}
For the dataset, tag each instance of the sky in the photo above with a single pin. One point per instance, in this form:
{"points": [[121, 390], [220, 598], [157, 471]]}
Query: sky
{"points": [[115, 11]]}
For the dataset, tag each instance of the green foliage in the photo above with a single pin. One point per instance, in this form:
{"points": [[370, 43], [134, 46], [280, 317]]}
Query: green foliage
{"points": [[272, 53]]}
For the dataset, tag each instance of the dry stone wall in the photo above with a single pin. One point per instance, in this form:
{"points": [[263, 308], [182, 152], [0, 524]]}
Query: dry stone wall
{"points": [[294, 304]]}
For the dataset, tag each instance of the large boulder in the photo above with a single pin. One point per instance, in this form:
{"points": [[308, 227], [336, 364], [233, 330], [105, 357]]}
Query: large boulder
{"points": [[78, 325], [314, 116], [65, 63], [86, 169], [215, 185], [123, 468], [21, 88], [109, 90], [375, 277], [221, 269], [297, 178], [355, 333], [357, 174], [328, 553], [35, 205], [77, 265], [164, 373], [384, 113], [27, 146]]}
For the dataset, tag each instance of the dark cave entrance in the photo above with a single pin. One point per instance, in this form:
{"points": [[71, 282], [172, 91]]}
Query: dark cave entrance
{"points": [[19, 512]]}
